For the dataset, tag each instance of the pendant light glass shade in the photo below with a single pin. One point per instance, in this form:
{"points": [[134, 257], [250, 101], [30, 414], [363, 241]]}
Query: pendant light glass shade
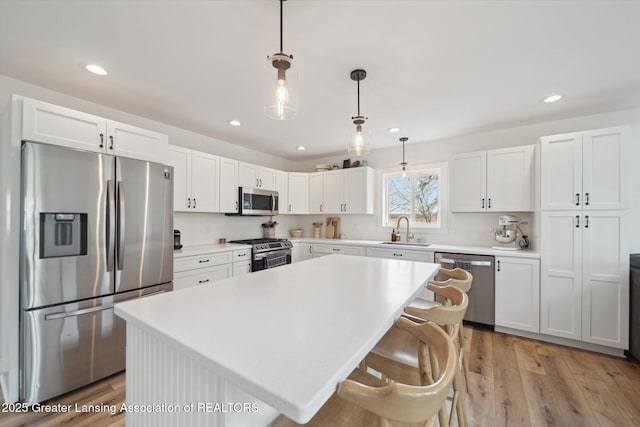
{"points": [[281, 84], [280, 88], [360, 143]]}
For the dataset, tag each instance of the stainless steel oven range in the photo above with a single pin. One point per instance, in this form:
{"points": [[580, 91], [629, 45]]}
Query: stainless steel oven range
{"points": [[268, 253]]}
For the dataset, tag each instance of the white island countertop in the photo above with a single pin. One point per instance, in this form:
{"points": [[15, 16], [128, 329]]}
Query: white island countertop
{"points": [[287, 335]]}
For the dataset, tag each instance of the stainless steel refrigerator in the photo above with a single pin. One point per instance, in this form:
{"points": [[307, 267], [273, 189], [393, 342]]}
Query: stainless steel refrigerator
{"points": [[97, 230]]}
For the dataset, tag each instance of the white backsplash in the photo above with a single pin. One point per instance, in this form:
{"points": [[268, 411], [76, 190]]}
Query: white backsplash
{"points": [[463, 228]]}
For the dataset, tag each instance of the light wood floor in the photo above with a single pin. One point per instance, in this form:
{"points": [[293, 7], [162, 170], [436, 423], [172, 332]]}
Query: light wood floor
{"points": [[513, 382]]}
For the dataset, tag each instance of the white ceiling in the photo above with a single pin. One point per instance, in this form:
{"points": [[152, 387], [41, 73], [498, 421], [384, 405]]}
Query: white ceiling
{"points": [[435, 69]]}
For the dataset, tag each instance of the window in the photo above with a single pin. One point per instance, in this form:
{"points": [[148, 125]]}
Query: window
{"points": [[418, 196]]}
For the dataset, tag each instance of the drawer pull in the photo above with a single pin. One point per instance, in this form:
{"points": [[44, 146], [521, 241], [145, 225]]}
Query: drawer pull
{"points": [[203, 261], [336, 249], [395, 254], [242, 254], [203, 281]]}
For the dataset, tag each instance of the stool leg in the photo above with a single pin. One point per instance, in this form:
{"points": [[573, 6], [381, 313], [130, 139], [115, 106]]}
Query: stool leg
{"points": [[465, 358], [458, 401]]}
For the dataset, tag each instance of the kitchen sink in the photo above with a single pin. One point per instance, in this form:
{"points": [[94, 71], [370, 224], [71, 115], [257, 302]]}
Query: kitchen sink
{"points": [[405, 244]]}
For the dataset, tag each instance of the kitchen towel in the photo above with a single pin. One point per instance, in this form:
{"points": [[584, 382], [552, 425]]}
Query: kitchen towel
{"points": [[463, 264]]}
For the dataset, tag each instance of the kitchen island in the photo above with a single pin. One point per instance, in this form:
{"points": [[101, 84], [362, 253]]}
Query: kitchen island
{"points": [[242, 350]]}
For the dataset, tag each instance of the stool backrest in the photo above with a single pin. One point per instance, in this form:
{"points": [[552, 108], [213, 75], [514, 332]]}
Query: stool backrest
{"points": [[409, 403]]}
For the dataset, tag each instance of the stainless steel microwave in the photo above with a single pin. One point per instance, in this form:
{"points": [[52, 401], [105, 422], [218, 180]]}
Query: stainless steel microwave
{"points": [[254, 201]]}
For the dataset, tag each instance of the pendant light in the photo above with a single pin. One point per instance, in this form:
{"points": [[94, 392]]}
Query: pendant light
{"points": [[281, 85], [403, 164], [359, 143]]}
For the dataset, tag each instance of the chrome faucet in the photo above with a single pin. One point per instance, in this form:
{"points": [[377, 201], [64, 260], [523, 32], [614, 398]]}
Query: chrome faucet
{"points": [[398, 226]]}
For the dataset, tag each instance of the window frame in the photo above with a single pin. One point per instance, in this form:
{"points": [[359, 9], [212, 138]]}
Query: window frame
{"points": [[412, 170]]}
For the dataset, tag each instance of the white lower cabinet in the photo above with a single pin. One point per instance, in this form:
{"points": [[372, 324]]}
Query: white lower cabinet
{"points": [[301, 251], [409, 255], [517, 293], [584, 293], [200, 269], [241, 262], [322, 249]]}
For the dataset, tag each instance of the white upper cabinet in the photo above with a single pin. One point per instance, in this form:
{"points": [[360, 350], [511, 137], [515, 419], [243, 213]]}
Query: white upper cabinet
{"points": [[584, 170], [469, 182], [316, 190], [228, 185], [495, 180], [333, 200], [52, 124], [358, 190], [344, 191], [136, 143], [254, 176], [298, 193], [196, 175], [282, 187]]}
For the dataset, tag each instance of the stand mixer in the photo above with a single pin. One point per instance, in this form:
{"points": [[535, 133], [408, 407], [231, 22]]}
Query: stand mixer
{"points": [[508, 232]]}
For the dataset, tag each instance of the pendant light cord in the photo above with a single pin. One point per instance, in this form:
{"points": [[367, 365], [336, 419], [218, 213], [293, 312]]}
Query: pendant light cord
{"points": [[281, 49], [358, 97]]}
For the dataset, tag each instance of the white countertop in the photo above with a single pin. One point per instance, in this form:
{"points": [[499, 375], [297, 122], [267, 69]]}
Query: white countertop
{"points": [[209, 248], [435, 247], [286, 335]]}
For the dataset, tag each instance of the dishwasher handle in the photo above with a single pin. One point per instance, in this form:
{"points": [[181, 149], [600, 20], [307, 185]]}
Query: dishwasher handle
{"points": [[473, 263]]}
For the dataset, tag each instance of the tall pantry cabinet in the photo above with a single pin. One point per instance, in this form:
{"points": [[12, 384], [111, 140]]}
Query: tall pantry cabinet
{"points": [[584, 292]]}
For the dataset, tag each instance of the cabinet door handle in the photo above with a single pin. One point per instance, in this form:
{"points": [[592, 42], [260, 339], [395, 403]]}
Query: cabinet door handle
{"points": [[201, 261], [261, 183], [188, 202], [345, 207], [236, 205], [586, 221], [203, 281], [257, 184], [111, 139], [489, 203], [577, 221], [483, 203], [321, 209], [289, 208], [577, 199], [194, 203], [498, 264], [586, 199], [310, 249], [101, 140]]}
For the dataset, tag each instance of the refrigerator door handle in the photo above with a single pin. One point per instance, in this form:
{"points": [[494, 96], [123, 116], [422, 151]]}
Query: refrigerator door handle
{"points": [[121, 225], [65, 314], [111, 223]]}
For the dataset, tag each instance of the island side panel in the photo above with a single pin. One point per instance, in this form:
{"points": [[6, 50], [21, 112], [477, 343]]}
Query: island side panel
{"points": [[166, 387]]}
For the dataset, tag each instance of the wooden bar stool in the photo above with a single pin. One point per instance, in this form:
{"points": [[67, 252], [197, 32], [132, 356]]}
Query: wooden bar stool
{"points": [[397, 347], [407, 403], [461, 279], [364, 400]]}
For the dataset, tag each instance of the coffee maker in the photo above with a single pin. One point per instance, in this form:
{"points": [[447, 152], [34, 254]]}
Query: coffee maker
{"points": [[176, 240], [509, 234]]}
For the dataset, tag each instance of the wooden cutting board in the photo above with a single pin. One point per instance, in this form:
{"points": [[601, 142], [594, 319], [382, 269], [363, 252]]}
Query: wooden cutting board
{"points": [[332, 228]]}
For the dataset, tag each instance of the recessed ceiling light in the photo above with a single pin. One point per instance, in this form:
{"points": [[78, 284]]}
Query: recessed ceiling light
{"points": [[301, 148], [235, 122], [96, 69], [552, 98], [394, 130]]}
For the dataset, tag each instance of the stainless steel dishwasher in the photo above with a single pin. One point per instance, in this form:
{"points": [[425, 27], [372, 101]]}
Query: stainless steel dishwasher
{"points": [[480, 311]]}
